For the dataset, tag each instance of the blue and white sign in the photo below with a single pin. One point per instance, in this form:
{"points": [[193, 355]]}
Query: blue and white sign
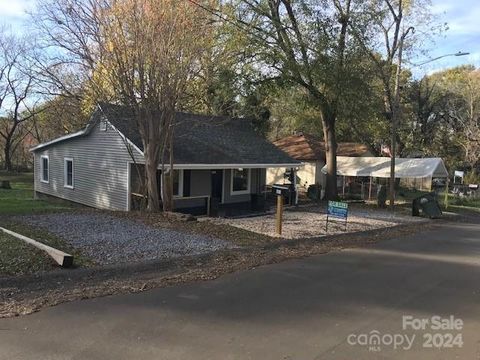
{"points": [[337, 209]]}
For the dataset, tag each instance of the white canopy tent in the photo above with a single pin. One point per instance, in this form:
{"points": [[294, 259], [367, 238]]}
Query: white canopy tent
{"points": [[380, 167]]}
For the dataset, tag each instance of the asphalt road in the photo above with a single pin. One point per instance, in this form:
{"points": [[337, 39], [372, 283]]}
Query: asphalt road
{"points": [[322, 307]]}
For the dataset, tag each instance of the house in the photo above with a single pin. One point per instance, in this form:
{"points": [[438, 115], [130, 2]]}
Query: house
{"points": [[219, 163], [310, 151]]}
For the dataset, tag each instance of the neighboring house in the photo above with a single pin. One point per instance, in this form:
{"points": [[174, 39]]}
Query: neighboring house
{"points": [[216, 159], [310, 151]]}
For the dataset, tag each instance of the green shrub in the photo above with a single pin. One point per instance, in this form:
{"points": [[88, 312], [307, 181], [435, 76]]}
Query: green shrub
{"points": [[472, 178]]}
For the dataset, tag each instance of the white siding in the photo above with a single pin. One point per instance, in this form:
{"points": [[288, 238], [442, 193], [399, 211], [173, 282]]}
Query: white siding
{"points": [[100, 170], [308, 174]]}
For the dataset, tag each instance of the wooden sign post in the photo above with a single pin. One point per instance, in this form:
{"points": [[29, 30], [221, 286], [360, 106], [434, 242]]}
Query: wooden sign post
{"points": [[280, 191], [279, 217]]}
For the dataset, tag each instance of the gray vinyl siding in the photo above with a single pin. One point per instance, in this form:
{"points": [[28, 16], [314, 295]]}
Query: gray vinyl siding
{"points": [[201, 182], [99, 170], [200, 185]]}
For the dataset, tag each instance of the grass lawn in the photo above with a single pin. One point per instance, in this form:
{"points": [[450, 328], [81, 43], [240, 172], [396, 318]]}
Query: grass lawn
{"points": [[17, 257], [19, 200], [463, 204]]}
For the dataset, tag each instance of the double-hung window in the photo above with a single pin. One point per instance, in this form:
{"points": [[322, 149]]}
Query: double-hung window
{"points": [[45, 169], [240, 181], [68, 173]]}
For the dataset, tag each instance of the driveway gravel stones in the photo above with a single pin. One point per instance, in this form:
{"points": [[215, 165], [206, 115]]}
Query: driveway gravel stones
{"points": [[309, 222], [107, 239]]}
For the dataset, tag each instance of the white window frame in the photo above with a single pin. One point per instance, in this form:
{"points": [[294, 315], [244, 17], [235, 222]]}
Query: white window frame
{"points": [[42, 169], [240, 192], [65, 185], [180, 184]]}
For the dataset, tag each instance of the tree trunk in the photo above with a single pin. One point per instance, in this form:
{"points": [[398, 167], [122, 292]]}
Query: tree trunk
{"points": [[167, 187], [8, 155], [151, 165], [170, 187], [328, 123]]}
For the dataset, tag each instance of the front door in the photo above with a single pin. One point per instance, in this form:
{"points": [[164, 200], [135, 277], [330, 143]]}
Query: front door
{"points": [[217, 185]]}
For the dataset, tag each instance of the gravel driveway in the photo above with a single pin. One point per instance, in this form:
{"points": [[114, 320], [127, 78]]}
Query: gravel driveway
{"points": [[310, 222], [107, 239]]}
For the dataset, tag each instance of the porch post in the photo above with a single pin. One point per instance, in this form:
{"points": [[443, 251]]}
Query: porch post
{"points": [[370, 190], [445, 201], [294, 172]]}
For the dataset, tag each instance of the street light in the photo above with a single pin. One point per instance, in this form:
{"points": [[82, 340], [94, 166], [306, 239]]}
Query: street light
{"points": [[460, 53], [395, 113]]}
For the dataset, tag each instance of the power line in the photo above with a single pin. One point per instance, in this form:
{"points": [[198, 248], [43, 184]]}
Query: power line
{"points": [[236, 22]]}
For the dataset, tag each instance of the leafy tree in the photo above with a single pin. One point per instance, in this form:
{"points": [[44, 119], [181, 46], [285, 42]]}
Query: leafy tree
{"points": [[444, 111], [460, 108], [306, 44], [390, 18], [59, 116]]}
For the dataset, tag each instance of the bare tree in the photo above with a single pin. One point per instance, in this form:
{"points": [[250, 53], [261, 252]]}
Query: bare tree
{"points": [[17, 98], [66, 45], [140, 53]]}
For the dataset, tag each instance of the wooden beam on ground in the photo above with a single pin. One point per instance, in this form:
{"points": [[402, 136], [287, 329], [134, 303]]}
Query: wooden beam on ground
{"points": [[63, 259]]}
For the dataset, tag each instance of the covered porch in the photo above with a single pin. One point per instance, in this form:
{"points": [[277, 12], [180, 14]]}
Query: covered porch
{"points": [[211, 190]]}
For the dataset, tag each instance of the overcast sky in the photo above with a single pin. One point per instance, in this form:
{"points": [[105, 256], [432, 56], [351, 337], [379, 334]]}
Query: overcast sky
{"points": [[462, 17]]}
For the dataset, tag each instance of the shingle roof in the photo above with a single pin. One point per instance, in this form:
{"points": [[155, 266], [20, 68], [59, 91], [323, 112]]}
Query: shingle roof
{"points": [[311, 148], [202, 139]]}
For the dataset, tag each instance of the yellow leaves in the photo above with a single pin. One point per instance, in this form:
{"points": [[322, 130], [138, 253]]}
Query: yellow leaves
{"points": [[149, 48]]}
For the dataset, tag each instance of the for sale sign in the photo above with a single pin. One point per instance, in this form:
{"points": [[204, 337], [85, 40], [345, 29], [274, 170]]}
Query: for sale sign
{"points": [[337, 209]]}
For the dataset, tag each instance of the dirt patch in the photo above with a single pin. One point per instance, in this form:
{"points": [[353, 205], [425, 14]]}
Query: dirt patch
{"points": [[27, 294]]}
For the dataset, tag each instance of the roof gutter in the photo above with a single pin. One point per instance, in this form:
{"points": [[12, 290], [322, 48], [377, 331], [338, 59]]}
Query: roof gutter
{"points": [[233, 166], [61, 138]]}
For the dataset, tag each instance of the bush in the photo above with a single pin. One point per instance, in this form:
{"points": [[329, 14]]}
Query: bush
{"points": [[472, 178]]}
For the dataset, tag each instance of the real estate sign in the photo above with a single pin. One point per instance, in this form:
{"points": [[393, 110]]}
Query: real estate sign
{"points": [[337, 209]]}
